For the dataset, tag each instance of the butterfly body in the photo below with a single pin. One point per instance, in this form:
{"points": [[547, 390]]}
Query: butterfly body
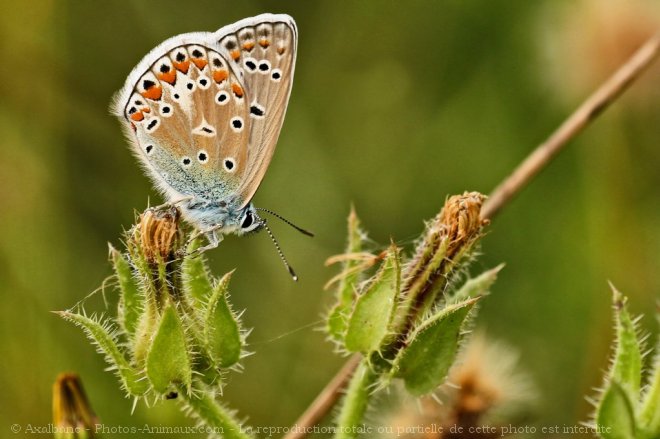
{"points": [[203, 112]]}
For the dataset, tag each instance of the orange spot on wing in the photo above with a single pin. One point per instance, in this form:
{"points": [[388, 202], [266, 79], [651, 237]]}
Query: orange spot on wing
{"points": [[138, 117], [146, 109], [182, 66], [264, 43], [235, 54], [248, 45], [220, 75], [280, 50], [169, 77], [154, 93], [200, 62], [238, 90]]}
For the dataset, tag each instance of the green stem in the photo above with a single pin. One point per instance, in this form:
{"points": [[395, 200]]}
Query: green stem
{"points": [[354, 406], [220, 421]]}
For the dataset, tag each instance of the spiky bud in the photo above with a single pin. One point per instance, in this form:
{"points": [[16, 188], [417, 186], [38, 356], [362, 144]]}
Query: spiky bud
{"points": [[409, 318], [175, 330]]}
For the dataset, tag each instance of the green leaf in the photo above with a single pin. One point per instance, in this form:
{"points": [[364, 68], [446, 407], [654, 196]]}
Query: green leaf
{"points": [[369, 324], [627, 364], [614, 417], [168, 360], [477, 286], [131, 300], [196, 282], [221, 330], [431, 349], [106, 344], [337, 321]]}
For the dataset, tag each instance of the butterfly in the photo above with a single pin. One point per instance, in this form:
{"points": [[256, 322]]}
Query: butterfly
{"points": [[203, 112]]}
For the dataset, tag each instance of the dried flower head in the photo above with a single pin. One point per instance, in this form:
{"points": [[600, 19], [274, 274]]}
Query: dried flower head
{"points": [[157, 233], [448, 238]]}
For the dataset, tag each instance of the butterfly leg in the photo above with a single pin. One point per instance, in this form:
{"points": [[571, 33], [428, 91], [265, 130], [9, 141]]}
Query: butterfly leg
{"points": [[214, 239]]}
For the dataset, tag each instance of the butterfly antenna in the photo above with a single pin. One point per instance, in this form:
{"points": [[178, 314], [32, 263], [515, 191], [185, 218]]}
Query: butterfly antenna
{"points": [[300, 229], [279, 251]]}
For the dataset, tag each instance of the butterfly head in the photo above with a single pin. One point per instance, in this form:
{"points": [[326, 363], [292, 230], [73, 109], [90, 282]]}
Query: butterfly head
{"points": [[222, 217], [249, 221]]}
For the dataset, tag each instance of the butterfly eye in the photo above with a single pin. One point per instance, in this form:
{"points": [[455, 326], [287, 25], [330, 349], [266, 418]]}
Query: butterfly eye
{"points": [[247, 221]]}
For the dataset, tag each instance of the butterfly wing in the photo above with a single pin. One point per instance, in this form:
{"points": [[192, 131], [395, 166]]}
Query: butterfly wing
{"points": [[186, 111], [263, 50]]}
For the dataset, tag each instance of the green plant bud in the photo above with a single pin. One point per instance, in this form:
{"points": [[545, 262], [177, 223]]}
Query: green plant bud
{"points": [[477, 286], [168, 360], [431, 349], [221, 329], [337, 321], [615, 417], [448, 243], [627, 363], [369, 324], [104, 339], [195, 277], [131, 300]]}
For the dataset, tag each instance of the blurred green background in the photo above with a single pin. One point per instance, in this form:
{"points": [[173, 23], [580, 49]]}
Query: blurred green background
{"points": [[395, 105]]}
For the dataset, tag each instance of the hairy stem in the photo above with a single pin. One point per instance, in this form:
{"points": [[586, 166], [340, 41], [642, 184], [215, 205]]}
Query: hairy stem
{"points": [[351, 416], [219, 421]]}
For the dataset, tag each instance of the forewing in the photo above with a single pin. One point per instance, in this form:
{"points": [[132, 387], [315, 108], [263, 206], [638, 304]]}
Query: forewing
{"points": [[188, 113], [263, 50]]}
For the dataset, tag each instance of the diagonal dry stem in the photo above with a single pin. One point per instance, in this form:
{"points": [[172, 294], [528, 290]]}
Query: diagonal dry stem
{"points": [[505, 191], [585, 113]]}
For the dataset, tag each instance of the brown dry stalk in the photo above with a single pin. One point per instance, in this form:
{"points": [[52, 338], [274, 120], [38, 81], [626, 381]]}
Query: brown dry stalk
{"points": [[503, 193]]}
